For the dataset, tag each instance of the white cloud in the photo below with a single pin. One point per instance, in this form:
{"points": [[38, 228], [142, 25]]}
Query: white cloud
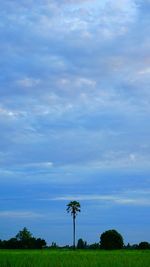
{"points": [[126, 198], [9, 113], [110, 18], [83, 197], [28, 82], [40, 165], [121, 159], [145, 71], [19, 214]]}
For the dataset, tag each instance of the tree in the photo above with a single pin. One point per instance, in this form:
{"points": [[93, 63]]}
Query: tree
{"points": [[24, 237], [73, 207], [23, 240], [144, 245], [111, 239], [81, 244], [24, 234]]}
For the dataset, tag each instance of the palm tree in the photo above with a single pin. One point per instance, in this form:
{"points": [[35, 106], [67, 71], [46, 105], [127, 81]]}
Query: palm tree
{"points": [[73, 207]]}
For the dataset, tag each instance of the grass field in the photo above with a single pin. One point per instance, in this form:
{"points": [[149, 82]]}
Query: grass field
{"points": [[60, 258]]}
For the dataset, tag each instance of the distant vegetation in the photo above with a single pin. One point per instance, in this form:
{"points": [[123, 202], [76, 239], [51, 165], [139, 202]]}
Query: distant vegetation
{"points": [[109, 240], [23, 240]]}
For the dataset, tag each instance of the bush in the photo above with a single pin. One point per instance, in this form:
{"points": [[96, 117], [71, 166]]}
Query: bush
{"points": [[94, 246]]}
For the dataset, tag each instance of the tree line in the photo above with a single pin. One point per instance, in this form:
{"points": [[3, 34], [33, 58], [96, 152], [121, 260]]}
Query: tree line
{"points": [[23, 240], [109, 239]]}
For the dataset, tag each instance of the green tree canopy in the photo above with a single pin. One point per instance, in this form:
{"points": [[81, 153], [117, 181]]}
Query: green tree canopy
{"points": [[81, 244], [111, 239], [24, 235], [73, 207], [144, 245]]}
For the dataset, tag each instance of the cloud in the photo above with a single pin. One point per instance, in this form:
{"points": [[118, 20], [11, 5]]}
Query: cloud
{"points": [[8, 113], [64, 95], [39, 165], [28, 82], [145, 71], [121, 159], [19, 214], [74, 110], [135, 198]]}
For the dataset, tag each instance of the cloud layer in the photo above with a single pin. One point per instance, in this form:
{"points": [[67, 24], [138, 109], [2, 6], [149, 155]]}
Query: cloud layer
{"points": [[74, 102]]}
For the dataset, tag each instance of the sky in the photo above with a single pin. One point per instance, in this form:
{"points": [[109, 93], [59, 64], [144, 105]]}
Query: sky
{"points": [[74, 118]]}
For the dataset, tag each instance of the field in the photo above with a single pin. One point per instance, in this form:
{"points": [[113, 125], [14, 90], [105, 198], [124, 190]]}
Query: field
{"points": [[60, 258]]}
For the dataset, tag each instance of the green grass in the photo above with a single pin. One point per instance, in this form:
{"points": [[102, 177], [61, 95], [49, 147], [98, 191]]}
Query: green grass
{"points": [[62, 258]]}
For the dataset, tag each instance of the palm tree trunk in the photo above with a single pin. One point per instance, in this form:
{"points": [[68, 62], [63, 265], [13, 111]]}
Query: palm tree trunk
{"points": [[74, 233]]}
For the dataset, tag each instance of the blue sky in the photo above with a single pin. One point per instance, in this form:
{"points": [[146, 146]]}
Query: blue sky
{"points": [[74, 118]]}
